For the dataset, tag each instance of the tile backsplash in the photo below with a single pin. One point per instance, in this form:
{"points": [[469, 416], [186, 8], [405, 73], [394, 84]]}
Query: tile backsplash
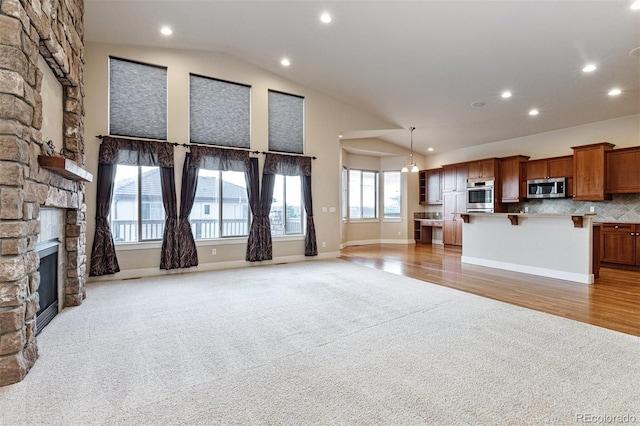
{"points": [[622, 208]]}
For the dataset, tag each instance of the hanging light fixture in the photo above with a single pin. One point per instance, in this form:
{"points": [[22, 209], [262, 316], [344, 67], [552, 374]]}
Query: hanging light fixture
{"points": [[411, 165]]}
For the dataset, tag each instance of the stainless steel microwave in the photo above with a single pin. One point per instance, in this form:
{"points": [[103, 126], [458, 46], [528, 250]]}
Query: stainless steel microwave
{"points": [[547, 188]]}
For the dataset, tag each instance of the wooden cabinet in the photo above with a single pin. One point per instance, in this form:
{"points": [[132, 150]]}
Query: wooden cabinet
{"points": [[483, 168], [590, 171], [430, 182], [513, 180], [623, 170], [555, 167], [550, 167], [620, 244], [454, 177], [453, 202]]}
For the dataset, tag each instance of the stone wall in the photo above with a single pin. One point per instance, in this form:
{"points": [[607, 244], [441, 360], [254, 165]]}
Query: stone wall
{"points": [[53, 29]]}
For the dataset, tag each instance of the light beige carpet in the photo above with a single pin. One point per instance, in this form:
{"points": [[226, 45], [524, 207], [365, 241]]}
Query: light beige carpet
{"points": [[323, 342]]}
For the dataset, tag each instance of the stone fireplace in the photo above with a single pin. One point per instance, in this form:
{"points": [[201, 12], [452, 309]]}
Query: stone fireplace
{"points": [[29, 30]]}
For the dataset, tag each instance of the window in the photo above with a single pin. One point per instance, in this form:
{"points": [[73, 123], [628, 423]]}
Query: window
{"points": [[287, 211], [392, 195], [137, 212], [137, 99], [363, 194], [286, 123], [219, 112], [221, 206]]}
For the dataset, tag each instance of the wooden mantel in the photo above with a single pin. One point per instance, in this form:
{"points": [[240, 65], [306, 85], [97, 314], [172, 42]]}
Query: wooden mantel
{"points": [[64, 167]]}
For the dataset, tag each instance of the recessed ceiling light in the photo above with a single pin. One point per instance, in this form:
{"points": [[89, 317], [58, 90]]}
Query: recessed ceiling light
{"points": [[325, 17], [635, 52], [534, 112], [429, 149], [614, 92], [506, 94], [340, 135], [166, 31], [478, 104], [635, 5], [285, 62], [589, 68]]}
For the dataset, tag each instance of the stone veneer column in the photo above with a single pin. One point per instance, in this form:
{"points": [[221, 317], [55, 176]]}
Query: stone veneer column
{"points": [[53, 29]]}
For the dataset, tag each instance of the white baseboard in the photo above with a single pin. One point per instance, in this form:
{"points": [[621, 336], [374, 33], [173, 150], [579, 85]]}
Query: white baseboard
{"points": [[233, 264], [533, 270]]}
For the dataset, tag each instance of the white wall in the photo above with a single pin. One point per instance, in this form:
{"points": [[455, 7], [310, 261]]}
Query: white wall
{"points": [[324, 119], [623, 132]]}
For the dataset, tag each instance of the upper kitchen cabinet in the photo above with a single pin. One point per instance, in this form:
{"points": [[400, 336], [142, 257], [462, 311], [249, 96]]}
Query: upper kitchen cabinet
{"points": [[623, 170], [454, 177], [550, 167], [483, 168], [590, 172], [555, 167], [513, 178]]}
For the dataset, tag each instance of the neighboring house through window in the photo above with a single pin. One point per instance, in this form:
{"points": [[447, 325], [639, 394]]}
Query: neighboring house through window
{"points": [[221, 206]]}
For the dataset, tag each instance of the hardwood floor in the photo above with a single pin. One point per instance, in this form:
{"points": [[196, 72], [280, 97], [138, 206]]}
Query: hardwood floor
{"points": [[612, 302]]}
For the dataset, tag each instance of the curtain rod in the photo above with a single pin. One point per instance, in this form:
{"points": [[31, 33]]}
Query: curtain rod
{"points": [[186, 145]]}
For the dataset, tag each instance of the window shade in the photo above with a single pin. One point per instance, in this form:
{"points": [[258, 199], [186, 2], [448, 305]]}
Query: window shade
{"points": [[137, 99], [220, 112], [286, 123]]}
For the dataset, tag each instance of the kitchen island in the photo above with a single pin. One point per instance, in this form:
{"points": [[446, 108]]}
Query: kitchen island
{"points": [[550, 245]]}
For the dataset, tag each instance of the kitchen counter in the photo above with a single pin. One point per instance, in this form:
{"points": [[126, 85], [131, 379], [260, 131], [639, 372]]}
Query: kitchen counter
{"points": [[551, 245]]}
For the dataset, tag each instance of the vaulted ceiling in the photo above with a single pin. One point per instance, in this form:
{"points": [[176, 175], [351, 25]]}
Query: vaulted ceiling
{"points": [[417, 63]]}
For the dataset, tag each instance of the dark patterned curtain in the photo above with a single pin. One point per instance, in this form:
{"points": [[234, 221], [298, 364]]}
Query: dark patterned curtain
{"points": [[210, 158], [186, 244], [253, 192], [169, 257], [259, 246], [131, 152], [103, 251], [310, 245]]}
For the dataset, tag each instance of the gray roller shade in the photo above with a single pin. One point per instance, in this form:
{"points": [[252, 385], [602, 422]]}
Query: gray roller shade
{"points": [[137, 99], [286, 123], [220, 112]]}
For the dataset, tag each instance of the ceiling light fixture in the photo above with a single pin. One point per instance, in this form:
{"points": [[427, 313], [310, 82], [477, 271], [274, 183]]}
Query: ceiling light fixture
{"points": [[411, 165], [166, 31], [506, 94], [589, 68], [614, 92], [534, 112], [635, 5], [430, 149], [285, 62], [325, 18]]}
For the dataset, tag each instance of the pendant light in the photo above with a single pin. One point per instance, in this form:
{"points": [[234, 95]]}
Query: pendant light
{"points": [[411, 165]]}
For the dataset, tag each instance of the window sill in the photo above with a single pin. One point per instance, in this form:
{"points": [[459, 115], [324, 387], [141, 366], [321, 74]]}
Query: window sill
{"points": [[392, 220], [364, 220], [146, 245]]}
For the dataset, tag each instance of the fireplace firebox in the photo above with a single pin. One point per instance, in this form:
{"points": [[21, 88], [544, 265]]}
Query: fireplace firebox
{"points": [[48, 290]]}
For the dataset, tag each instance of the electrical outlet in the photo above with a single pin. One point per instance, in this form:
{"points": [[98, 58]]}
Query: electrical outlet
{"points": [[526, 209], [592, 209], [214, 252], [324, 244]]}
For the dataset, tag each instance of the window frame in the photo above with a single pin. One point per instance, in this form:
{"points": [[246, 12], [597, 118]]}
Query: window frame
{"points": [[303, 212], [376, 217], [385, 218], [139, 205]]}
